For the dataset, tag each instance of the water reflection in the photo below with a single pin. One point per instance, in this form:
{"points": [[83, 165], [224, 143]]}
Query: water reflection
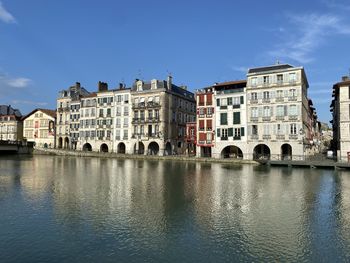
{"points": [[173, 211]]}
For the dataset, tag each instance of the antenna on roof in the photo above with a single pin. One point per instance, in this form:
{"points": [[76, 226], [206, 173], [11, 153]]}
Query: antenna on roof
{"points": [[277, 62]]}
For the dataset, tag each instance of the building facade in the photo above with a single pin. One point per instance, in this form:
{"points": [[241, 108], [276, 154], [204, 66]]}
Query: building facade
{"points": [[278, 113], [11, 125], [231, 120], [340, 108], [68, 116], [160, 111], [39, 127]]}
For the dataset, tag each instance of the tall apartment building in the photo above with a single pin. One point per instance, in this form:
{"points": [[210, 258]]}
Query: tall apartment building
{"points": [[122, 120], [39, 127], [68, 116], [205, 122], [11, 125], [231, 120], [160, 111], [87, 123], [278, 107], [340, 108]]}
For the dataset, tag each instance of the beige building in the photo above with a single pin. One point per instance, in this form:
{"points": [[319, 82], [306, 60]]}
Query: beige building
{"points": [[39, 127], [278, 113], [160, 111], [68, 116], [11, 125], [340, 109]]}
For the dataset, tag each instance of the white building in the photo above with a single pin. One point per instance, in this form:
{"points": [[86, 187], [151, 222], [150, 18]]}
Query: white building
{"points": [[230, 120], [340, 109], [278, 113], [39, 127], [11, 125]]}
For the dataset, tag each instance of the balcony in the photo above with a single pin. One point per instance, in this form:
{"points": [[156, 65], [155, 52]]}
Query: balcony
{"points": [[223, 107], [117, 138], [266, 137], [253, 101], [209, 115], [293, 117], [266, 118], [236, 106], [293, 98], [293, 136], [224, 138], [236, 138], [254, 137], [118, 114], [279, 118], [279, 99], [266, 100], [254, 119], [280, 137]]}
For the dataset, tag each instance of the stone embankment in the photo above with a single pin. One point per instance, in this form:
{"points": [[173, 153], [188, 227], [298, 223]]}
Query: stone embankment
{"points": [[139, 157]]}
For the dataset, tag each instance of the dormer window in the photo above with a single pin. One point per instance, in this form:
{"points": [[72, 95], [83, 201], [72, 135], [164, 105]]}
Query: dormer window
{"points": [[154, 84], [266, 79], [139, 85]]}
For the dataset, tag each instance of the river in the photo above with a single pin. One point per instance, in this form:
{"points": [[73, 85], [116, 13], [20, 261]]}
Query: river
{"points": [[69, 209]]}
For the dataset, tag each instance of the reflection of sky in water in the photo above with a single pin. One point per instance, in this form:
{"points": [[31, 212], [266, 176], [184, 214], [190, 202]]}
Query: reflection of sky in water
{"points": [[76, 209]]}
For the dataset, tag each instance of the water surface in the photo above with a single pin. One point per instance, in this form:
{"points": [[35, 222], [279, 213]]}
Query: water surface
{"points": [[67, 209]]}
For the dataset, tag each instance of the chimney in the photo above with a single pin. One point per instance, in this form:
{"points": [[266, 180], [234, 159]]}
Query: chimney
{"points": [[77, 85], [170, 81], [102, 86], [121, 86], [345, 78]]}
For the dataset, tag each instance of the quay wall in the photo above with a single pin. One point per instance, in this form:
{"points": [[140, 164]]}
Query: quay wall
{"points": [[140, 157]]}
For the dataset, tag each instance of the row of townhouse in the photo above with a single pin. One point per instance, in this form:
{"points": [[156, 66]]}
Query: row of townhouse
{"points": [[148, 118], [268, 115], [11, 126]]}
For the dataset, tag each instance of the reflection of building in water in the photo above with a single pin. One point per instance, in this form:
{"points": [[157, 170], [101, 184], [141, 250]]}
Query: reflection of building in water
{"points": [[261, 207]]}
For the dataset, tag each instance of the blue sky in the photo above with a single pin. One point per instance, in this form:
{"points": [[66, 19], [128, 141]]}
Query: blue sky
{"points": [[46, 46]]}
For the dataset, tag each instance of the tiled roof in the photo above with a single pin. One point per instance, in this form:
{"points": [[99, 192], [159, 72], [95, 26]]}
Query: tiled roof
{"points": [[49, 112], [227, 83], [8, 110]]}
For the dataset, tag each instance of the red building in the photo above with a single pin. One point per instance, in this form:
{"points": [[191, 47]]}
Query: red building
{"points": [[205, 121]]}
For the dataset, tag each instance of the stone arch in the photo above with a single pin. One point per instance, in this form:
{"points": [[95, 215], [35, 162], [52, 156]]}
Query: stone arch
{"points": [[286, 152], [232, 151], [153, 148], [139, 148], [87, 147], [60, 142], [121, 148], [104, 148], [66, 143], [261, 152]]}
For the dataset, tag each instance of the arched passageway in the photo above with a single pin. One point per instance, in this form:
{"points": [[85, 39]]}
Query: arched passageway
{"points": [[139, 148], [168, 150], [104, 148], [286, 152], [153, 148], [261, 152], [60, 143], [87, 147], [121, 148], [232, 151]]}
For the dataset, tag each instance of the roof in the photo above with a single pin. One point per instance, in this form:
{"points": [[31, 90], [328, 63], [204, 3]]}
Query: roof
{"points": [[49, 112], [228, 83], [8, 110], [343, 83], [91, 95], [269, 68]]}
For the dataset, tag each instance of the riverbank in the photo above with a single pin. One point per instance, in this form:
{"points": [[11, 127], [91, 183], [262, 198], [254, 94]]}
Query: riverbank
{"points": [[139, 157]]}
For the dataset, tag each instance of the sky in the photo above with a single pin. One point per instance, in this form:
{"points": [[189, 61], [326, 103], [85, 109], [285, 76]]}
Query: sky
{"points": [[47, 46]]}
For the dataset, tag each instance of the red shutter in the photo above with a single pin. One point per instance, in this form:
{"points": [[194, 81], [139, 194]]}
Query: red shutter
{"points": [[201, 124], [202, 136], [209, 124], [209, 99]]}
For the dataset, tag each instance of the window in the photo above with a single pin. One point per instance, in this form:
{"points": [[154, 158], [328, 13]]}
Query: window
{"points": [[254, 129], [201, 111], [209, 111], [279, 94], [224, 102], [254, 96], [292, 93], [101, 113], [292, 110], [156, 114], [266, 95], [236, 101], [108, 112], [229, 101], [280, 110], [142, 129], [223, 118], [254, 81], [224, 133], [236, 118], [237, 132], [293, 129], [255, 112], [126, 98], [279, 129], [126, 111], [292, 77], [126, 121], [142, 115], [117, 122], [279, 78], [266, 129], [266, 111], [150, 114], [266, 79]]}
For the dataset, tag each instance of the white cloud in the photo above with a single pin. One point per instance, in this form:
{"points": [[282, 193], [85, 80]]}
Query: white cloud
{"points": [[28, 102], [18, 82], [240, 69], [308, 33], [337, 4], [6, 16]]}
